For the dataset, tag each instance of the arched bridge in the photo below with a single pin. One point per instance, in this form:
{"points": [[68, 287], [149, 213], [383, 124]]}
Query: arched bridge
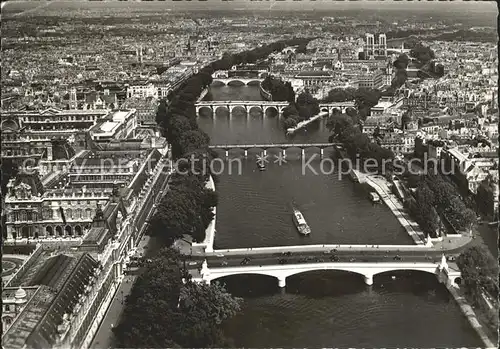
{"points": [[266, 146], [367, 270], [264, 106], [339, 106], [245, 81]]}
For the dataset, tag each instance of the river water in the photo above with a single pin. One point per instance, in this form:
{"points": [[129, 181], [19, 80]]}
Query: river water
{"points": [[255, 207], [326, 308]]}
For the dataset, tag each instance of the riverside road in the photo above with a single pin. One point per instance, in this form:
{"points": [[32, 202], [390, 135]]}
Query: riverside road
{"points": [[317, 256]]}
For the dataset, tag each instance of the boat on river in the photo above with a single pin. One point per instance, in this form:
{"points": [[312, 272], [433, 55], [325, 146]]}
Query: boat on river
{"points": [[300, 222], [374, 197], [261, 166]]}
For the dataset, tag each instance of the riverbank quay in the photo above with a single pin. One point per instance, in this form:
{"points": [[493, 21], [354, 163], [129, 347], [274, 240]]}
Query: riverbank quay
{"points": [[379, 184], [467, 310]]}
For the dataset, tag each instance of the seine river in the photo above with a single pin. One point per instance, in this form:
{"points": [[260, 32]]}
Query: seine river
{"points": [[332, 309]]}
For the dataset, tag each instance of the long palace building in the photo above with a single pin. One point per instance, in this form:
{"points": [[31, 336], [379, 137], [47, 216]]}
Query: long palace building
{"points": [[80, 207]]}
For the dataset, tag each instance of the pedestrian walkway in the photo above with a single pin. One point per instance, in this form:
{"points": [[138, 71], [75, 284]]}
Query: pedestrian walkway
{"points": [[380, 185]]}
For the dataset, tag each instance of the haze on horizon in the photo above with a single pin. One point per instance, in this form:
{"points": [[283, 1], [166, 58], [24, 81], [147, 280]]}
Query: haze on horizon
{"points": [[266, 5]]}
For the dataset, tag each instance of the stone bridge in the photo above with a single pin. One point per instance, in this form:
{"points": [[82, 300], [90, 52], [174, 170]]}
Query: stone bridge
{"points": [[365, 269], [264, 106], [245, 81], [265, 147]]}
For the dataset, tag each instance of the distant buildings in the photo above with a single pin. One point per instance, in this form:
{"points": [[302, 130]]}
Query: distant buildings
{"points": [[142, 91], [82, 224]]}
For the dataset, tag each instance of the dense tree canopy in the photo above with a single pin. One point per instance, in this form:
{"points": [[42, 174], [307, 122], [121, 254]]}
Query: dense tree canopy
{"points": [[448, 203], [163, 312], [479, 271], [364, 99], [307, 105], [422, 53], [279, 90], [356, 143], [187, 207]]}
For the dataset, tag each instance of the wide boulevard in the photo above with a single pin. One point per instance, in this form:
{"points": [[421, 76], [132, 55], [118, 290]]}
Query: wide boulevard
{"points": [[335, 255]]}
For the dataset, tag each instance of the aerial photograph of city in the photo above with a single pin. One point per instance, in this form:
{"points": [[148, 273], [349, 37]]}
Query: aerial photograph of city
{"points": [[249, 174]]}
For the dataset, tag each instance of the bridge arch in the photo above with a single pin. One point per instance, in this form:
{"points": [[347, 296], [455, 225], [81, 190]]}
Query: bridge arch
{"points": [[204, 111], [255, 108], [218, 278], [282, 272], [270, 110], [407, 269], [218, 82], [236, 82], [219, 107], [240, 108], [335, 111], [255, 82]]}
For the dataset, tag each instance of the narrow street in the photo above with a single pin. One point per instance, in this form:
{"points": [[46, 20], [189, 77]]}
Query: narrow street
{"points": [[104, 337]]}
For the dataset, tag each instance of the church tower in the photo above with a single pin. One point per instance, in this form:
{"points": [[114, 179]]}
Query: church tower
{"points": [[73, 103]]}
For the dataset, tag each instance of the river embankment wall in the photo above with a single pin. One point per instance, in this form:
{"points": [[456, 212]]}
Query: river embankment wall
{"points": [[470, 315]]}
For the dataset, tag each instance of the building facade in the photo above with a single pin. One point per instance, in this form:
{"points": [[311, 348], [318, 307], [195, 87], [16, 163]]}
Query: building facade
{"points": [[375, 46]]}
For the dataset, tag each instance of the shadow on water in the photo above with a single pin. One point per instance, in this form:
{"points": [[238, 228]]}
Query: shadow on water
{"points": [[320, 284], [250, 285]]}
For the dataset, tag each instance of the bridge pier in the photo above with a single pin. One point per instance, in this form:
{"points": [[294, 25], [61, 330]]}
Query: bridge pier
{"points": [[282, 282], [369, 280], [284, 153], [246, 153], [227, 154], [265, 152], [321, 151], [303, 153]]}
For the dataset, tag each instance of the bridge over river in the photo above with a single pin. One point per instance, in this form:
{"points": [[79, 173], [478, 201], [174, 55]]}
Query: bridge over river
{"points": [[366, 267], [282, 146], [264, 106]]}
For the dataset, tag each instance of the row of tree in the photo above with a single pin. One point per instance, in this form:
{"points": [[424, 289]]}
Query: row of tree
{"points": [[345, 129], [364, 98], [423, 59], [479, 273], [305, 107], [447, 201], [436, 198], [423, 212], [187, 206], [279, 90], [185, 209], [165, 311], [302, 108]]}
